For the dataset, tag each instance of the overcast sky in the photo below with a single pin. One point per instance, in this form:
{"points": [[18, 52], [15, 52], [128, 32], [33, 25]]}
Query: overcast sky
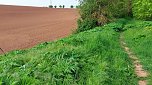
{"points": [[39, 3]]}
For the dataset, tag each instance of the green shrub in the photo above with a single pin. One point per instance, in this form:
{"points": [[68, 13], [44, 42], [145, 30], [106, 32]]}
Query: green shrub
{"points": [[86, 24], [104, 11], [142, 9], [137, 24], [119, 8], [118, 25]]}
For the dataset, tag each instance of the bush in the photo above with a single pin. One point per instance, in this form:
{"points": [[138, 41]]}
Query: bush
{"points": [[109, 9], [92, 9], [119, 8], [118, 25], [86, 24], [142, 9], [104, 11]]}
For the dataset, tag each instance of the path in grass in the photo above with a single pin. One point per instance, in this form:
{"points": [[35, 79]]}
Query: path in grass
{"points": [[140, 72]]}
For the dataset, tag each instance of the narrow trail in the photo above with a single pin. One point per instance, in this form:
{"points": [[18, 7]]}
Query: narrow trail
{"points": [[140, 72]]}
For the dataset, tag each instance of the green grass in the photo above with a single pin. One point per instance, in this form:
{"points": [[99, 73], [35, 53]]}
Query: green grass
{"points": [[139, 39], [92, 57]]}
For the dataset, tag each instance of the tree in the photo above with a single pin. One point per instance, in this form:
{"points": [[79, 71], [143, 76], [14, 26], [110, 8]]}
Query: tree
{"points": [[60, 6], [63, 6], [50, 6], [55, 6], [77, 6], [104, 10], [101, 12], [72, 6], [130, 8]]}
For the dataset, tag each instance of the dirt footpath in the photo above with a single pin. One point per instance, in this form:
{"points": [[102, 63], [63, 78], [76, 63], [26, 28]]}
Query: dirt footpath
{"points": [[24, 27]]}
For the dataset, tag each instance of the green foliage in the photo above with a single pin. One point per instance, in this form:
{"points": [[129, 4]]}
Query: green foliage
{"points": [[119, 8], [92, 57], [86, 24], [55, 6], [72, 6], [60, 6], [142, 9], [51, 6], [137, 24], [118, 25], [92, 9], [104, 11], [107, 8], [63, 6], [77, 6], [139, 39]]}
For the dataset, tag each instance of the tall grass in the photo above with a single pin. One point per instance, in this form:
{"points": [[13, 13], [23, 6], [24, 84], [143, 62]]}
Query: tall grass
{"points": [[92, 57], [139, 38]]}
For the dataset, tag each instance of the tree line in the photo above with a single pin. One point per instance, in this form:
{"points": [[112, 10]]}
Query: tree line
{"points": [[61, 6]]}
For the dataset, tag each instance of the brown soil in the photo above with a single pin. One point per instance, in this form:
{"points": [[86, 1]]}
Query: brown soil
{"points": [[24, 27], [140, 72]]}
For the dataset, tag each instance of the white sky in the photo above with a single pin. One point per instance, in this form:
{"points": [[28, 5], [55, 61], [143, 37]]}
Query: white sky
{"points": [[39, 3]]}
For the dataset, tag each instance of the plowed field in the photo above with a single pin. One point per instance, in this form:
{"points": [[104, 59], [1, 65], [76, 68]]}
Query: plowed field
{"points": [[24, 27]]}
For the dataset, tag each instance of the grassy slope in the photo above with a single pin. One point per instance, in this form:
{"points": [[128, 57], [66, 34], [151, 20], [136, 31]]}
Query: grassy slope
{"points": [[89, 58], [139, 38]]}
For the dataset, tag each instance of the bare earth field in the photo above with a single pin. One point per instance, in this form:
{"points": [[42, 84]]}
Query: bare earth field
{"points": [[24, 27]]}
